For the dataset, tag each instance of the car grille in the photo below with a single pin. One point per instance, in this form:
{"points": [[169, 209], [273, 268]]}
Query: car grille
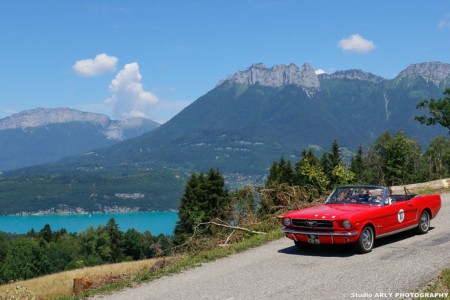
{"points": [[312, 223]]}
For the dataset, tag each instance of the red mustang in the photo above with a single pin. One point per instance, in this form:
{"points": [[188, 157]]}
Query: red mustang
{"points": [[360, 214]]}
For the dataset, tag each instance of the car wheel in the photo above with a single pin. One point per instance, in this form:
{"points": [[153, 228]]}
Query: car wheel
{"points": [[301, 245], [424, 223], [365, 241]]}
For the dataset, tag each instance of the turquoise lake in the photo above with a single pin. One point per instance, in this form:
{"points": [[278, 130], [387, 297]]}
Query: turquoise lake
{"points": [[155, 222]]}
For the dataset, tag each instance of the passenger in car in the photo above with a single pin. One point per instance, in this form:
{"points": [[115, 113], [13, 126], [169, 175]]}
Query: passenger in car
{"points": [[345, 195], [389, 200]]}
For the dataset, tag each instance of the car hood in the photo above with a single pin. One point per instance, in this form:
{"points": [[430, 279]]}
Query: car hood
{"points": [[330, 211]]}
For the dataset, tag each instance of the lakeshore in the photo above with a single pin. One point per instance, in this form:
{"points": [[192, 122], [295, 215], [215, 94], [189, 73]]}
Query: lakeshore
{"points": [[155, 222]]}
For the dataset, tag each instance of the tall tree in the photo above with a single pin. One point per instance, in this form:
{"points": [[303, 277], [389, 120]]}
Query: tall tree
{"points": [[217, 194], [134, 244], [46, 233], [331, 161], [356, 165], [437, 159], [95, 246], [22, 261], [342, 176], [310, 174], [188, 213], [59, 254], [281, 172], [115, 240], [438, 111], [204, 199], [393, 160], [3, 247]]}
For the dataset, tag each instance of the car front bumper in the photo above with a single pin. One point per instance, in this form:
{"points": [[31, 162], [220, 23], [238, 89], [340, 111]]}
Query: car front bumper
{"points": [[321, 237]]}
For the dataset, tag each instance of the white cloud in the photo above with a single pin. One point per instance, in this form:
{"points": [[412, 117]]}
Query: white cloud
{"points": [[356, 43], [445, 23], [128, 96], [320, 71], [102, 63]]}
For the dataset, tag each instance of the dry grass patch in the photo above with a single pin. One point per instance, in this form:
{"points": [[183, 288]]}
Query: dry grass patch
{"points": [[61, 284], [440, 284]]}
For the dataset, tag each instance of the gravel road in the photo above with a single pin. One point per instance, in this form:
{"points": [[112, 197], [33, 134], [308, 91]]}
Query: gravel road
{"points": [[277, 270]]}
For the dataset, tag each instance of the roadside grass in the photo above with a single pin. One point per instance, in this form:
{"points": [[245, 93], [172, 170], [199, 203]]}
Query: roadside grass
{"points": [[111, 278], [61, 284], [439, 284]]}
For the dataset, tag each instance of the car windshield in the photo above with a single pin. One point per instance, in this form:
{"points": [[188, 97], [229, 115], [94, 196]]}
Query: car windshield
{"points": [[369, 195]]}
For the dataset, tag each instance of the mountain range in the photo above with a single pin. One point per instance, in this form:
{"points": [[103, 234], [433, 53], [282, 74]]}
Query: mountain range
{"points": [[44, 135], [241, 126], [255, 116]]}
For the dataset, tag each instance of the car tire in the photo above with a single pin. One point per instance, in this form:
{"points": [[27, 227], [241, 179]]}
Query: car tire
{"points": [[365, 241], [424, 223]]}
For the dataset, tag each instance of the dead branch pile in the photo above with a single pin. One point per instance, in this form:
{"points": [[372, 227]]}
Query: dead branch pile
{"points": [[282, 197]]}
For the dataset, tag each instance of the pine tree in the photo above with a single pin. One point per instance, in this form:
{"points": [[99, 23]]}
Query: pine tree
{"points": [[356, 165], [46, 233], [204, 199], [331, 161], [115, 240], [218, 197], [281, 172], [274, 174]]}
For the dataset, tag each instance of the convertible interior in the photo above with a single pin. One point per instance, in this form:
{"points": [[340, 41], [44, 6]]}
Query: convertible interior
{"points": [[362, 198], [399, 198]]}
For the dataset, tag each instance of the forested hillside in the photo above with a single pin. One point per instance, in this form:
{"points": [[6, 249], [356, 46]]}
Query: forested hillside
{"points": [[257, 115], [152, 190]]}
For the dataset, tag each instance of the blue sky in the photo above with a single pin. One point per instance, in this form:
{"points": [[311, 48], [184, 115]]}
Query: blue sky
{"points": [[152, 58]]}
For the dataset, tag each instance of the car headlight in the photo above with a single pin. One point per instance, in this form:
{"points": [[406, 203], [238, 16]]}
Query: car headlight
{"points": [[287, 222], [346, 224]]}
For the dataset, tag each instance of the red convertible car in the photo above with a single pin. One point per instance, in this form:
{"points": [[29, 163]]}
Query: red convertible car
{"points": [[359, 215]]}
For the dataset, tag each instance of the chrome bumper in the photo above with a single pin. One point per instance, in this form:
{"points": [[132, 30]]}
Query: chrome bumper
{"points": [[329, 233]]}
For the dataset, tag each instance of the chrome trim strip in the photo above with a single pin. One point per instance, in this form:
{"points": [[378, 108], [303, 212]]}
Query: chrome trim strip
{"points": [[396, 231], [329, 233]]}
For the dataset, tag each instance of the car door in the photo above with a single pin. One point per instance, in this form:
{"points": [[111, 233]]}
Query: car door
{"points": [[387, 219], [396, 216], [402, 215], [411, 212]]}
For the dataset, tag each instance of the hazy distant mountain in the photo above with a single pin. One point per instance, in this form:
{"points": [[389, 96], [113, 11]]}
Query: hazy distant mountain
{"points": [[255, 116], [46, 135]]}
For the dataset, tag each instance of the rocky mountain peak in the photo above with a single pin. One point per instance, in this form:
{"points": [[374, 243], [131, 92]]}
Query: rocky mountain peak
{"points": [[277, 76], [43, 116], [112, 129], [353, 74], [436, 72]]}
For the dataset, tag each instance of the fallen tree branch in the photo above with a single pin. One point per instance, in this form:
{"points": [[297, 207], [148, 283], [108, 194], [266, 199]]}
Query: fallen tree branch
{"points": [[229, 237], [220, 225], [230, 227]]}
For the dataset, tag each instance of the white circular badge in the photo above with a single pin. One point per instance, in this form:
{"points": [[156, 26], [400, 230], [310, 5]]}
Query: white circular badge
{"points": [[401, 215]]}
